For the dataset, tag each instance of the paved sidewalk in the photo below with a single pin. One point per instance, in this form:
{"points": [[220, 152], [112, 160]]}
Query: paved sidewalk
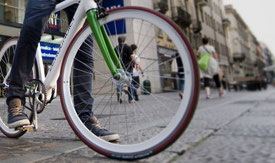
{"points": [[223, 130], [247, 137]]}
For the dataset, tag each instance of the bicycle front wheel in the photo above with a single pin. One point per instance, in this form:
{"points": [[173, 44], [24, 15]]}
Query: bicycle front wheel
{"points": [[158, 117]]}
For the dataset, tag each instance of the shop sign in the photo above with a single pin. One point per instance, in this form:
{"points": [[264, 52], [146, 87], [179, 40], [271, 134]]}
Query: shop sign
{"points": [[49, 51], [54, 22], [116, 27]]}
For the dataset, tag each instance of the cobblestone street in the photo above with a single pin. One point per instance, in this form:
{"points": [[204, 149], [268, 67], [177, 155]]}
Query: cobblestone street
{"points": [[239, 127]]}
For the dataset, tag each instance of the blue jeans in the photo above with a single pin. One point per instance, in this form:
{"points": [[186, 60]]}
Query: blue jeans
{"points": [[130, 91], [36, 18], [135, 84], [181, 82]]}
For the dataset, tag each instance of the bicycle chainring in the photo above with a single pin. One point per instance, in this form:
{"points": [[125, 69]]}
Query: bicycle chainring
{"points": [[36, 93]]}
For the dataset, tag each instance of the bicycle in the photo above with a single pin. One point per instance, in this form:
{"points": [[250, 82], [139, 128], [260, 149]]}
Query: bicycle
{"points": [[143, 132]]}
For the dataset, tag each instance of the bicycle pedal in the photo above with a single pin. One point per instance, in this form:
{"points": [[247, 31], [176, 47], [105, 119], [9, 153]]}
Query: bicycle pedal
{"points": [[28, 127]]}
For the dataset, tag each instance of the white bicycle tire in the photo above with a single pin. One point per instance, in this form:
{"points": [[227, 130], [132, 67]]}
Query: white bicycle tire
{"points": [[181, 119]]}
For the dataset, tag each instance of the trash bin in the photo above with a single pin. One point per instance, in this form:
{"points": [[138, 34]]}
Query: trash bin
{"points": [[147, 87]]}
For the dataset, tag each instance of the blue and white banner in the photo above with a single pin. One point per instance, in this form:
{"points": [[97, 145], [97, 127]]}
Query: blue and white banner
{"points": [[48, 50]]}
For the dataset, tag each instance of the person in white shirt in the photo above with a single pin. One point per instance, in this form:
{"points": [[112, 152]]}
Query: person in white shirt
{"points": [[136, 72], [213, 68]]}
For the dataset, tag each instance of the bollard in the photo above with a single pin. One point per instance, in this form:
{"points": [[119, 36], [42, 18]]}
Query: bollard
{"points": [[147, 87]]}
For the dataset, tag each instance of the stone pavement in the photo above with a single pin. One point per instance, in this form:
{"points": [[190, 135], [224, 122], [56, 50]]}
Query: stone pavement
{"points": [[238, 127], [247, 138]]}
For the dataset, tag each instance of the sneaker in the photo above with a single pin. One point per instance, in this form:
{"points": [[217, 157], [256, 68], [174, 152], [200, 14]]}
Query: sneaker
{"points": [[16, 116], [99, 131], [132, 101]]}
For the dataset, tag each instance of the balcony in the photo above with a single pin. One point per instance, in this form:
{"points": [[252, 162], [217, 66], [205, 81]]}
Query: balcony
{"points": [[202, 3], [161, 6], [181, 17], [239, 57], [226, 23], [196, 26]]}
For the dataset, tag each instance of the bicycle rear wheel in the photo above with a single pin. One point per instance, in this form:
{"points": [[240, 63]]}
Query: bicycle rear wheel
{"points": [[7, 52], [151, 124]]}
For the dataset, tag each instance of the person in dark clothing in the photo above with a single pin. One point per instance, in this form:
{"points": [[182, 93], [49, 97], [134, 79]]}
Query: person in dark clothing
{"points": [[36, 18], [126, 57], [180, 75]]}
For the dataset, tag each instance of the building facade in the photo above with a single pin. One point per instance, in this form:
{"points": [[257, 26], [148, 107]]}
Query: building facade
{"points": [[183, 13], [237, 48], [12, 14], [11, 18], [244, 47], [268, 60]]}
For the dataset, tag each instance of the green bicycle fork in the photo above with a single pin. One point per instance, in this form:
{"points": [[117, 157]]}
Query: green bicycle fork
{"points": [[104, 44]]}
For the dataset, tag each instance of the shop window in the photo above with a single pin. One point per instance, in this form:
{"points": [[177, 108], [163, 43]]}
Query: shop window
{"points": [[12, 10]]}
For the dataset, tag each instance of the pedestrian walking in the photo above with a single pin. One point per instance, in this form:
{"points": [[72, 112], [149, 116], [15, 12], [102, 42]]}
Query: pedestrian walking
{"points": [[126, 57], [136, 72], [212, 71], [180, 75]]}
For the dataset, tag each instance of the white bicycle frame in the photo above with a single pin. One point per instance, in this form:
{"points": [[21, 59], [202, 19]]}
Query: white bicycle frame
{"points": [[77, 22]]}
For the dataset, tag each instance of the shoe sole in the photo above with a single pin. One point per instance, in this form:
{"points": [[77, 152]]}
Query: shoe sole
{"points": [[20, 123], [110, 138]]}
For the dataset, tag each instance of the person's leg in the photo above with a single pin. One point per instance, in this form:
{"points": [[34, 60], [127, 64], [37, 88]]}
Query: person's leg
{"points": [[130, 92], [119, 92], [135, 83], [218, 84], [181, 81], [36, 17], [207, 87], [82, 80], [224, 84], [134, 92], [217, 80]]}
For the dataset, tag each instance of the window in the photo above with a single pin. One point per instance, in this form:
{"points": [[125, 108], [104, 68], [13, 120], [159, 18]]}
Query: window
{"points": [[12, 10], [206, 18], [202, 16]]}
